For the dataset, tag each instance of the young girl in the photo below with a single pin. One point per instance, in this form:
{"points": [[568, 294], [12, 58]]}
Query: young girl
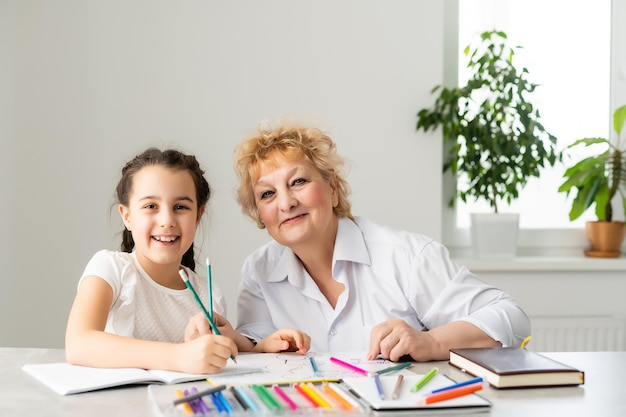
{"points": [[132, 307]]}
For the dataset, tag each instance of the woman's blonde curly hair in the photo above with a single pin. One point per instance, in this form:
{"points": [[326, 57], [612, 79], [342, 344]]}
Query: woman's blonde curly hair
{"points": [[288, 140]]}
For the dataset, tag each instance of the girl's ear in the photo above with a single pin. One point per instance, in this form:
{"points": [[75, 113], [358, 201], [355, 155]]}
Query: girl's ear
{"points": [[200, 213], [124, 214]]}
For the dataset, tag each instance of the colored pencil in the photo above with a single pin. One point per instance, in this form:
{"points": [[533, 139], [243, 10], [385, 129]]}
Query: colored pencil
{"points": [[285, 397], [396, 388], [337, 396], [185, 279], [210, 284], [394, 368], [451, 393], [349, 366], [424, 380]]}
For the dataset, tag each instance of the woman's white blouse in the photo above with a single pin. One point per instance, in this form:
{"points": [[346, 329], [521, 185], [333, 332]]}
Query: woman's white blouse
{"points": [[387, 274]]}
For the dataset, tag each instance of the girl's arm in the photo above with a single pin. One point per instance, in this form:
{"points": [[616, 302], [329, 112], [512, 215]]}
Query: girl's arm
{"points": [[281, 340], [86, 342]]}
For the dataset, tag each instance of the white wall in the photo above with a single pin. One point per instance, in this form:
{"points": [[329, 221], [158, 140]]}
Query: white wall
{"points": [[86, 85]]}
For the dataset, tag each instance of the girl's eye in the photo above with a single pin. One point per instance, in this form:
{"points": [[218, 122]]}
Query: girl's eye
{"points": [[180, 207], [266, 194], [150, 206]]}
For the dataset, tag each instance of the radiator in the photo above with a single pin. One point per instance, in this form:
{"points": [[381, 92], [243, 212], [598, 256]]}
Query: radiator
{"points": [[569, 334]]}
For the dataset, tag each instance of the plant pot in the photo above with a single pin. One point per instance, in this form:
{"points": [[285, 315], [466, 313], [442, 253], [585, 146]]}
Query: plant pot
{"points": [[494, 235], [605, 239]]}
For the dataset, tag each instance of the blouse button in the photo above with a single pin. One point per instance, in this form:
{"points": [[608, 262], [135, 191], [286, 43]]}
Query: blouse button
{"points": [[333, 332]]}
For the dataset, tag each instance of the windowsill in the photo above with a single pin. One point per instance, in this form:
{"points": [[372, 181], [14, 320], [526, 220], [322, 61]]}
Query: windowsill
{"points": [[544, 263]]}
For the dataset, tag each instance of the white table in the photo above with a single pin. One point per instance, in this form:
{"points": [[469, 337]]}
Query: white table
{"points": [[602, 395]]}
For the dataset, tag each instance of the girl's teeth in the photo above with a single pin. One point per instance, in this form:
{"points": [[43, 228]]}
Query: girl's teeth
{"points": [[166, 239]]}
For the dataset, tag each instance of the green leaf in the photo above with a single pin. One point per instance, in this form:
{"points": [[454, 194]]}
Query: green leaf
{"points": [[619, 117]]}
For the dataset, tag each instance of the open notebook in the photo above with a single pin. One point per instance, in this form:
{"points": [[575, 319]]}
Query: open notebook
{"points": [[67, 379]]}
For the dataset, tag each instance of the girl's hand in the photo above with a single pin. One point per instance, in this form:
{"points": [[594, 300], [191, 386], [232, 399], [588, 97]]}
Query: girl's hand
{"points": [[285, 339], [224, 326], [196, 327], [206, 354]]}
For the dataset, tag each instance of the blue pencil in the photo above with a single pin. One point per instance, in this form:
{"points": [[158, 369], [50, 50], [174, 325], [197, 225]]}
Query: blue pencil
{"points": [[379, 387], [460, 384], [314, 366], [247, 399]]}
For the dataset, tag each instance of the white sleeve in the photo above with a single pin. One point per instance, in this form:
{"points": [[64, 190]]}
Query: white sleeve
{"points": [[103, 264], [454, 293]]}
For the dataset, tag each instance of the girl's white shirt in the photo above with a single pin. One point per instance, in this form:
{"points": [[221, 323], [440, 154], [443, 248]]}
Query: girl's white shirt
{"points": [[142, 308]]}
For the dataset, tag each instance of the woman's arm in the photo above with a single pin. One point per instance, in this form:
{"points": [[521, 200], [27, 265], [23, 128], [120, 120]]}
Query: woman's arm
{"points": [[394, 338]]}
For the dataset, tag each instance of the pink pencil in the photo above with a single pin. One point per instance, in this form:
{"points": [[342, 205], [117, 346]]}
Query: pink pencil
{"points": [[285, 397], [349, 366]]}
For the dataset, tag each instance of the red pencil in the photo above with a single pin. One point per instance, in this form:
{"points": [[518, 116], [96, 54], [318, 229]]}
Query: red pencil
{"points": [[451, 393], [305, 395]]}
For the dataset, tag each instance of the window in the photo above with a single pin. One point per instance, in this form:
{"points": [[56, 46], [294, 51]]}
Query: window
{"points": [[567, 50]]}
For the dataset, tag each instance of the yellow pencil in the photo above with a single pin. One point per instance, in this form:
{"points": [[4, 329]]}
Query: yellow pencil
{"points": [[314, 396]]}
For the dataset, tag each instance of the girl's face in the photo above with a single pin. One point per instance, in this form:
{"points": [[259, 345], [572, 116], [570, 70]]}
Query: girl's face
{"points": [[162, 215], [296, 203]]}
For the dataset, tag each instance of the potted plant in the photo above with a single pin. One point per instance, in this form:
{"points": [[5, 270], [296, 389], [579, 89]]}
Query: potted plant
{"points": [[493, 138], [600, 179]]}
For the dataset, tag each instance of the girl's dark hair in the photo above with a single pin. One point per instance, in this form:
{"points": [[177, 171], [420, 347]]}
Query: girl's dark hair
{"points": [[171, 159]]}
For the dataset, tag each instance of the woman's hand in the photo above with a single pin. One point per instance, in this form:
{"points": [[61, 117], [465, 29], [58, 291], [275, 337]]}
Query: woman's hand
{"points": [[285, 339], [394, 338]]}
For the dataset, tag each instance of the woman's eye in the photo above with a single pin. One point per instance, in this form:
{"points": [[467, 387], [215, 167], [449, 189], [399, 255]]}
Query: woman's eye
{"points": [[299, 181], [266, 194]]}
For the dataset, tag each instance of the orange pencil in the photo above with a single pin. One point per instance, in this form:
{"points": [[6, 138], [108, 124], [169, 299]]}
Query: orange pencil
{"points": [[451, 393], [342, 401]]}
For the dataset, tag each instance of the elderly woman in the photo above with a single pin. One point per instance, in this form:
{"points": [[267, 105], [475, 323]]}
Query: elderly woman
{"points": [[347, 282]]}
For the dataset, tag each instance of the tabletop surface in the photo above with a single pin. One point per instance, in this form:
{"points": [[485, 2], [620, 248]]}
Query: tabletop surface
{"points": [[603, 394]]}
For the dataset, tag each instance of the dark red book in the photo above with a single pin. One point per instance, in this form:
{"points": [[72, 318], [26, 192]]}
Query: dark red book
{"points": [[515, 367]]}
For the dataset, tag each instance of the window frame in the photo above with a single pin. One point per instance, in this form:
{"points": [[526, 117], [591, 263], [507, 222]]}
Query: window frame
{"points": [[532, 242]]}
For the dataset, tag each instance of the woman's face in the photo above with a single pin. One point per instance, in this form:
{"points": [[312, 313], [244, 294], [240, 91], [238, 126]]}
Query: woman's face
{"points": [[295, 202]]}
